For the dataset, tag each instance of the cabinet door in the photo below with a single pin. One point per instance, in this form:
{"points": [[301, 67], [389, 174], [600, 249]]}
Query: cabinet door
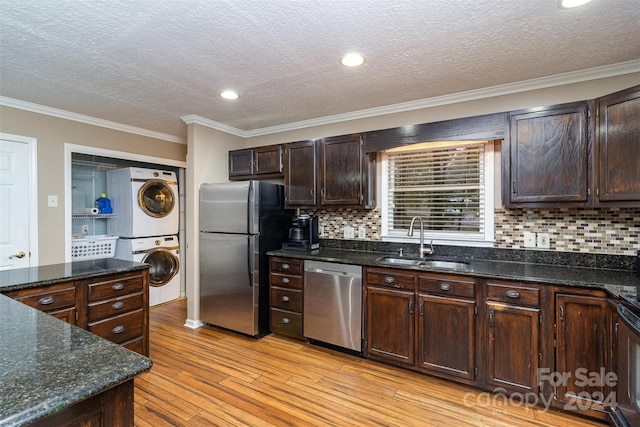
{"points": [[300, 174], [390, 325], [513, 348], [446, 334], [240, 163], [268, 160], [582, 349], [341, 171], [618, 151], [546, 156]]}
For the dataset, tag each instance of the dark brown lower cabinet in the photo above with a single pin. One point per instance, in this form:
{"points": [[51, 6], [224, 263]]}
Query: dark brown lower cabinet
{"points": [[446, 335], [585, 352], [513, 348], [390, 325]]}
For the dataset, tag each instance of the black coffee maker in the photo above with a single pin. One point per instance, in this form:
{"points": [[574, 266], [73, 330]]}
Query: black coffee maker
{"points": [[303, 233]]}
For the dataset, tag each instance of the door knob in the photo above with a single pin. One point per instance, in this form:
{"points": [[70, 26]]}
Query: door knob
{"points": [[20, 254]]}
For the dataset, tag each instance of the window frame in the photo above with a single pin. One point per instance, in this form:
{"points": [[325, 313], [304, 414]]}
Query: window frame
{"points": [[480, 239]]}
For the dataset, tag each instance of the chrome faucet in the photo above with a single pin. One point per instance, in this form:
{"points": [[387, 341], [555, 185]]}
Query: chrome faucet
{"points": [[423, 251]]}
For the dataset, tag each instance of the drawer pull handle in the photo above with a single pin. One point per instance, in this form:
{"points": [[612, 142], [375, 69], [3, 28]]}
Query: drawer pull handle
{"points": [[513, 294], [285, 299], [285, 266], [285, 280], [118, 287], [445, 286], [389, 279], [285, 320], [117, 305], [46, 300], [118, 329]]}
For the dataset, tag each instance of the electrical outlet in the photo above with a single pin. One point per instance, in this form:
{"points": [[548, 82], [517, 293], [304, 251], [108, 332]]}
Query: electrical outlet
{"points": [[85, 228], [349, 232], [321, 231], [52, 201], [362, 232], [529, 239], [544, 241]]}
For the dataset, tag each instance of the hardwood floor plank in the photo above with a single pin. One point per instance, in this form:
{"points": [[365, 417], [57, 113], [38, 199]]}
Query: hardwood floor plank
{"points": [[212, 377]]}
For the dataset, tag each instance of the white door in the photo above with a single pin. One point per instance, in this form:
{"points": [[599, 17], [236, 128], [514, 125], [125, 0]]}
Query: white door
{"points": [[16, 201]]}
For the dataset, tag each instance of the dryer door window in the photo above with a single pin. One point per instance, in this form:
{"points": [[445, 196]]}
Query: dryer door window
{"points": [[164, 266], [156, 198]]}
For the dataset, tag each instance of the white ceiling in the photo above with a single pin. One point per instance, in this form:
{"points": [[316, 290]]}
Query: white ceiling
{"points": [[147, 63]]}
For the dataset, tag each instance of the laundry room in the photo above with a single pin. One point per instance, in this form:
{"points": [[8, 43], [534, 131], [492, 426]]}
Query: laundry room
{"points": [[131, 210]]}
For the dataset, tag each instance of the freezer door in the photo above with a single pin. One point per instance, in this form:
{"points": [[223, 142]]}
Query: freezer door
{"points": [[225, 208], [228, 291]]}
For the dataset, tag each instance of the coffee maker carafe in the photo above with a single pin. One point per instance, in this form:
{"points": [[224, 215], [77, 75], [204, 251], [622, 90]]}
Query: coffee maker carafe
{"points": [[303, 233]]}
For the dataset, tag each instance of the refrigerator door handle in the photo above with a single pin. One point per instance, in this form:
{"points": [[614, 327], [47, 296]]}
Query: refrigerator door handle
{"points": [[250, 252], [249, 206]]}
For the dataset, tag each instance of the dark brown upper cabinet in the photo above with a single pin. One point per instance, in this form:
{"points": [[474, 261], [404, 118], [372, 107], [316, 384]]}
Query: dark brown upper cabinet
{"points": [[618, 148], [546, 156], [331, 172], [256, 163]]}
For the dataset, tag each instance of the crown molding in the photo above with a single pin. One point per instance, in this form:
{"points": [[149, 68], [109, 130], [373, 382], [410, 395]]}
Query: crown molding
{"points": [[68, 115], [212, 124], [472, 95]]}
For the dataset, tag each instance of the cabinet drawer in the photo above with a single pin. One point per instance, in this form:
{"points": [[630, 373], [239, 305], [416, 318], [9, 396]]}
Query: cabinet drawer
{"points": [[136, 345], [287, 266], [286, 299], [286, 281], [443, 285], [114, 307], [519, 295], [286, 323], [119, 329], [390, 279], [114, 288], [49, 298]]}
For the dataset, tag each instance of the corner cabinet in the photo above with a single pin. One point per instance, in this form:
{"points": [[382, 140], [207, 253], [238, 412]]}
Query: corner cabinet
{"points": [[330, 172], [618, 148], [256, 163]]}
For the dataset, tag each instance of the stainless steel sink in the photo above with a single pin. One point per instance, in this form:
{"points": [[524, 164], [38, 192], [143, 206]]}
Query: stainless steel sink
{"points": [[446, 265], [399, 261]]}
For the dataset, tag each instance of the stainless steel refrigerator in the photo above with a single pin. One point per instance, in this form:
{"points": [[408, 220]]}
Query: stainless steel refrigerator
{"points": [[239, 223]]}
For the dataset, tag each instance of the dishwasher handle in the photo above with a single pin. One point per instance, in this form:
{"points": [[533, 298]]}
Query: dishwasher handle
{"points": [[331, 272]]}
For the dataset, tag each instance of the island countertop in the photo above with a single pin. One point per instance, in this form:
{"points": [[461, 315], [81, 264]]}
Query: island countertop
{"points": [[48, 365]]}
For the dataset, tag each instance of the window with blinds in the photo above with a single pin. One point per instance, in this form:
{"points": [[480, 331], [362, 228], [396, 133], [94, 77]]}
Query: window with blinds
{"points": [[444, 184]]}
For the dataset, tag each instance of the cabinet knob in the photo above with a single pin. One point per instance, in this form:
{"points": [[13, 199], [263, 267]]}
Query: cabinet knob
{"points": [[389, 279], [285, 266], [117, 305], [513, 294], [118, 329], [445, 286], [285, 320], [46, 300], [285, 280], [118, 287], [285, 298]]}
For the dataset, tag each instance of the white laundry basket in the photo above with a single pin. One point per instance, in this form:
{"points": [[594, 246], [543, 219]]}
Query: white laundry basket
{"points": [[93, 247]]}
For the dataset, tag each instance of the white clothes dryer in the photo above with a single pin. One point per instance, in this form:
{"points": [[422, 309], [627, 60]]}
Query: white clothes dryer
{"points": [[162, 253], [144, 202]]}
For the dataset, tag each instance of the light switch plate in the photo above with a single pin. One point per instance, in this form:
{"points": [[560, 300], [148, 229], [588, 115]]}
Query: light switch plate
{"points": [[529, 239], [52, 201], [362, 233], [349, 232], [544, 241]]}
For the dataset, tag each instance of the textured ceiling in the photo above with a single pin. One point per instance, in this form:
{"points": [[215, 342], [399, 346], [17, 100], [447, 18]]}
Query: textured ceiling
{"points": [[147, 63]]}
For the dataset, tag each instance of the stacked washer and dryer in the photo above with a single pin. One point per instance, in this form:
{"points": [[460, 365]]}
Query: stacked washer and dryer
{"points": [[145, 202]]}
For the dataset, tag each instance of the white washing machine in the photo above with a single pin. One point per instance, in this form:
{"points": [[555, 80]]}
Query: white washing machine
{"points": [[144, 202], [162, 253]]}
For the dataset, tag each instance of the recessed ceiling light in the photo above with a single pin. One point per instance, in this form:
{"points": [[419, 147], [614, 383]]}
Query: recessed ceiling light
{"points": [[352, 60], [570, 4], [229, 94]]}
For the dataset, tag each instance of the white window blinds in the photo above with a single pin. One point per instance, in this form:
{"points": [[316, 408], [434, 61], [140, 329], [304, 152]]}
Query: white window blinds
{"points": [[443, 185]]}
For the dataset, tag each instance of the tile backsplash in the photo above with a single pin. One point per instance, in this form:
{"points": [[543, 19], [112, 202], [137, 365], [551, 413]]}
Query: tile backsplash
{"points": [[614, 231]]}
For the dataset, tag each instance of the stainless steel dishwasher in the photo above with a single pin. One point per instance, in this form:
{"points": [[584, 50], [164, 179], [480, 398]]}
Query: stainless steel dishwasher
{"points": [[333, 304]]}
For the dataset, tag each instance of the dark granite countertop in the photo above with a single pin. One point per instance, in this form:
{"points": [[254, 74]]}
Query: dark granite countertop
{"points": [[32, 277], [46, 364], [619, 283]]}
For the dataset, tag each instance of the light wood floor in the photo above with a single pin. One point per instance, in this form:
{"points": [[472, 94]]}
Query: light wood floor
{"points": [[209, 377]]}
